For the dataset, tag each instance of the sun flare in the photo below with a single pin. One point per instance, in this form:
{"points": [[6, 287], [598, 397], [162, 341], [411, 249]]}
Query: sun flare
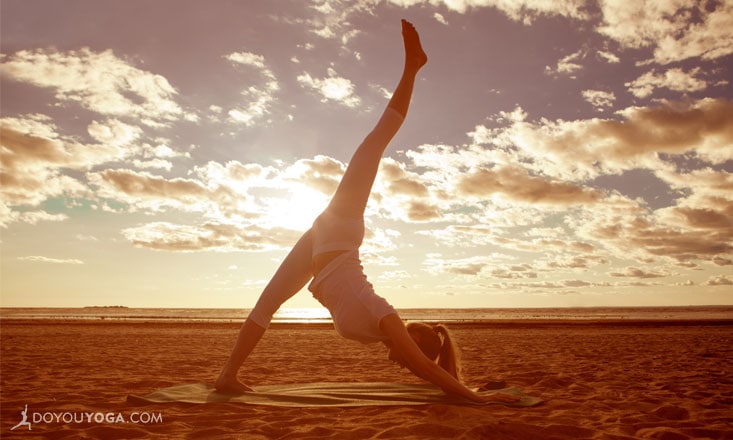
{"points": [[298, 210]]}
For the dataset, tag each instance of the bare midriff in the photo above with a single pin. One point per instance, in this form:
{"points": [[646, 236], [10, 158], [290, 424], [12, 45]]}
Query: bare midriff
{"points": [[320, 261]]}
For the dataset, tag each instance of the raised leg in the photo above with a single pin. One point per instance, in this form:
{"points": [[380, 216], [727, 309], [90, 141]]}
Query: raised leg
{"points": [[353, 192]]}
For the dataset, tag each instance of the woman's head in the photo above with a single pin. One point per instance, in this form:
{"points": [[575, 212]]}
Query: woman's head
{"points": [[436, 344]]}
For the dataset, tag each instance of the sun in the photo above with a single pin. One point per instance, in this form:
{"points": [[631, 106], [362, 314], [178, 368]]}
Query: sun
{"points": [[298, 210]]}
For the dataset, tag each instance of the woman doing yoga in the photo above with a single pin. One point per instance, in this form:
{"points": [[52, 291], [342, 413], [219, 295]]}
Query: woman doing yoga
{"points": [[329, 254]]}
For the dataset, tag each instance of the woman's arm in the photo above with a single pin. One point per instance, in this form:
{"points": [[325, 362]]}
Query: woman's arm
{"points": [[421, 366]]}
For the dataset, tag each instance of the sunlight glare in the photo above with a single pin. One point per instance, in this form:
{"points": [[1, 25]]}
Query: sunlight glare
{"points": [[302, 314], [297, 211]]}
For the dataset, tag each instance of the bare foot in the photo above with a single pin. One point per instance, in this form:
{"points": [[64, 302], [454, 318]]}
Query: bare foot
{"points": [[227, 385], [415, 57]]}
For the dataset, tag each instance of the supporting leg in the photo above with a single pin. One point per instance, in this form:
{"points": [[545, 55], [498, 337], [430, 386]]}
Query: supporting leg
{"points": [[292, 275]]}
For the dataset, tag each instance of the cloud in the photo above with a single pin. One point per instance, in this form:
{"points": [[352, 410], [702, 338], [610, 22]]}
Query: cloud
{"points": [[334, 19], [718, 280], [599, 98], [567, 65], [149, 191], [331, 88], [228, 198], [471, 266], [34, 159], [705, 184], [525, 11], [673, 79], [404, 195], [585, 149], [259, 99], [609, 57], [516, 184], [672, 233], [517, 271], [114, 132], [8, 216], [321, 173], [528, 173], [440, 18], [635, 272], [575, 262], [38, 164], [677, 30], [100, 82], [40, 259], [165, 236], [234, 174]]}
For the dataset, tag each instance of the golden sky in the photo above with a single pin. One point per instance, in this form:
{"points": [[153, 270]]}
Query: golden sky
{"points": [[168, 153]]}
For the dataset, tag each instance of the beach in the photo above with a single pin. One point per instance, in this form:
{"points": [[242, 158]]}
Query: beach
{"points": [[598, 380]]}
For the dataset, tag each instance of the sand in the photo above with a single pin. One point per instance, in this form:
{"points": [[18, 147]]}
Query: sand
{"points": [[598, 381]]}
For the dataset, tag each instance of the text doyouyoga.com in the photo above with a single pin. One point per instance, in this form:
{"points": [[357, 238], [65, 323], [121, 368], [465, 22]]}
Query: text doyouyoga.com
{"points": [[96, 417], [69, 417]]}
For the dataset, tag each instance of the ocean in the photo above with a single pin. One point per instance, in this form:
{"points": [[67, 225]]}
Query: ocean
{"points": [[318, 315]]}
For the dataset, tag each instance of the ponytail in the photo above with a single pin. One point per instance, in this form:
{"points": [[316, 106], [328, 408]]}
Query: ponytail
{"points": [[448, 357], [436, 343]]}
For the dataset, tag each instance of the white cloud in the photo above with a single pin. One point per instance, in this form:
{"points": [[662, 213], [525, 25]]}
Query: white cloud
{"points": [[567, 65], [610, 57], [636, 272], [258, 98], [34, 159], [38, 164], [333, 18], [331, 88], [98, 81], [440, 18], [8, 216], [146, 191], [584, 149], [248, 59], [209, 236], [676, 29], [599, 98], [40, 259], [719, 280], [114, 132], [673, 79], [525, 11]]}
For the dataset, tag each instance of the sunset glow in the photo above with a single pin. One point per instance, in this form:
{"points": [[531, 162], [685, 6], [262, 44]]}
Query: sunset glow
{"points": [[168, 153]]}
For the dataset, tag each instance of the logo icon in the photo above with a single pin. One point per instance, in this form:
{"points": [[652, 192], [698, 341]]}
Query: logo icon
{"points": [[25, 421]]}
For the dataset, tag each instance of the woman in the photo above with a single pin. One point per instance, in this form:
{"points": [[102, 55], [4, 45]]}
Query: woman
{"points": [[329, 253]]}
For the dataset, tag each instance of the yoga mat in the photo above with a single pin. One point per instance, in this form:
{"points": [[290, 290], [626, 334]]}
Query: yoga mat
{"points": [[324, 394]]}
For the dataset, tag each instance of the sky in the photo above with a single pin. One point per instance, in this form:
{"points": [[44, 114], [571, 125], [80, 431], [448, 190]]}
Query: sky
{"points": [[556, 154]]}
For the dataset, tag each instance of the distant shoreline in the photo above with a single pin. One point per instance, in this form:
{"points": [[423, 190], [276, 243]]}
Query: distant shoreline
{"points": [[475, 324], [607, 316]]}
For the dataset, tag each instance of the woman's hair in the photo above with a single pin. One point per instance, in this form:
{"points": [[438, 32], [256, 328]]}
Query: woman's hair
{"points": [[436, 343]]}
